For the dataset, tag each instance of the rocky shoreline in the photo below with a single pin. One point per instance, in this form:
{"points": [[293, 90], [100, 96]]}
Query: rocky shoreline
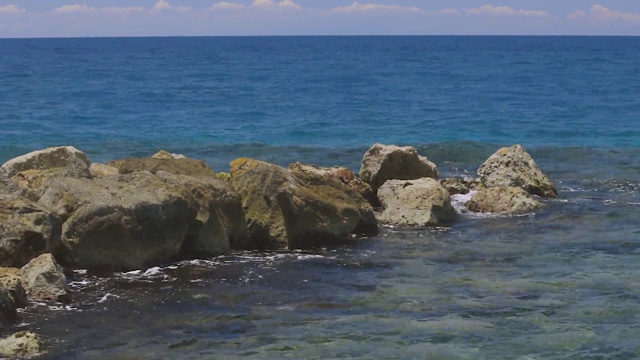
{"points": [[60, 211]]}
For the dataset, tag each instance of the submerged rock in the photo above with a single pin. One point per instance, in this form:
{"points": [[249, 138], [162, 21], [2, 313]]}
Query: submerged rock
{"points": [[180, 166], [43, 279], [418, 202], [11, 279], [72, 161], [514, 167], [24, 344], [27, 229], [387, 162], [295, 208], [504, 200]]}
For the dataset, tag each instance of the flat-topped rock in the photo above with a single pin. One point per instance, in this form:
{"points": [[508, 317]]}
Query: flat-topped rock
{"points": [[74, 162], [503, 200]]}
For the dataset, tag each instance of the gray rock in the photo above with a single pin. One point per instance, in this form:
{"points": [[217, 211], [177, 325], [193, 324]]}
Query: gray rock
{"points": [[43, 279], [387, 162], [418, 202], [73, 161], [8, 314], [24, 344], [11, 279], [27, 229], [514, 167], [504, 200]]}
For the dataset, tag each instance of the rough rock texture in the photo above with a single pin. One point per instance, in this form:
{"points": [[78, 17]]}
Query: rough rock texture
{"points": [[43, 279], [164, 155], [419, 202], [73, 161], [24, 344], [124, 221], [27, 229], [457, 186], [505, 200], [341, 174], [386, 162], [514, 167], [8, 314], [219, 223], [298, 211], [11, 279], [99, 170], [171, 165], [8, 186]]}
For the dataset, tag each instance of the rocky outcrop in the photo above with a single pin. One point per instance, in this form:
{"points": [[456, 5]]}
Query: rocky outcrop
{"points": [[504, 200], [164, 155], [8, 186], [180, 166], [419, 202], [296, 210], [27, 229], [387, 162], [71, 161], [11, 279], [43, 279], [24, 344], [514, 167], [100, 170]]}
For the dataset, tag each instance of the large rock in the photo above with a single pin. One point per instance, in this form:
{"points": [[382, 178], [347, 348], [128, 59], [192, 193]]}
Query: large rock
{"points": [[504, 200], [43, 279], [27, 229], [181, 166], [123, 222], [514, 167], [11, 279], [8, 314], [419, 202], [387, 162], [73, 161], [299, 211], [8, 186], [23, 345]]}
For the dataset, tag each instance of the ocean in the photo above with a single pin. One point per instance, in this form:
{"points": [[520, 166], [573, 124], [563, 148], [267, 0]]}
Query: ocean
{"points": [[561, 283]]}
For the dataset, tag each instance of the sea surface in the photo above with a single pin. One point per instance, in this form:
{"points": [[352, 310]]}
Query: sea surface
{"points": [[560, 283]]}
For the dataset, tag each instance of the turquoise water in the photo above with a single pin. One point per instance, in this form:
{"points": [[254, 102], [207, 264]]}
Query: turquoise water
{"points": [[563, 283]]}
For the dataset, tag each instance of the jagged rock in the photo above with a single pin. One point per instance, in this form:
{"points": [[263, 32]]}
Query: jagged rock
{"points": [[122, 221], [73, 161], [11, 279], [8, 314], [24, 344], [171, 165], [387, 162], [99, 170], [8, 186], [419, 202], [459, 186], [514, 167], [505, 200], [43, 279], [27, 229], [164, 155], [298, 211]]}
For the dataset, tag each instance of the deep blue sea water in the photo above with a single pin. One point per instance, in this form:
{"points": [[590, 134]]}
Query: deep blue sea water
{"points": [[563, 283]]}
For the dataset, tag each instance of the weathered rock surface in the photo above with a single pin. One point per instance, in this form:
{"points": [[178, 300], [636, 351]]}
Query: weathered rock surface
{"points": [[505, 200], [418, 202], [164, 155], [8, 186], [43, 279], [11, 279], [181, 166], [24, 344], [8, 314], [99, 170], [73, 161], [298, 211], [387, 162], [514, 167], [459, 186], [27, 229]]}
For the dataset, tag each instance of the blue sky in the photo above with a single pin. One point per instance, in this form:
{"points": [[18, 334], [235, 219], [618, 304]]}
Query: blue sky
{"points": [[78, 18]]}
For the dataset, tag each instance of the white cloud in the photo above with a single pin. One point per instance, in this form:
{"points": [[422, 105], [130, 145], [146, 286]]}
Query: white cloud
{"points": [[599, 12], [225, 5], [77, 8], [165, 5], [357, 7], [503, 11], [11, 9], [270, 3]]}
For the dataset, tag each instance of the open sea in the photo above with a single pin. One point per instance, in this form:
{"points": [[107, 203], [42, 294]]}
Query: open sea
{"points": [[562, 283]]}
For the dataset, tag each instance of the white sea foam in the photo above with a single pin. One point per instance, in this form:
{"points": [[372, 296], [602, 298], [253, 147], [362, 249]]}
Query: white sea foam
{"points": [[106, 297]]}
